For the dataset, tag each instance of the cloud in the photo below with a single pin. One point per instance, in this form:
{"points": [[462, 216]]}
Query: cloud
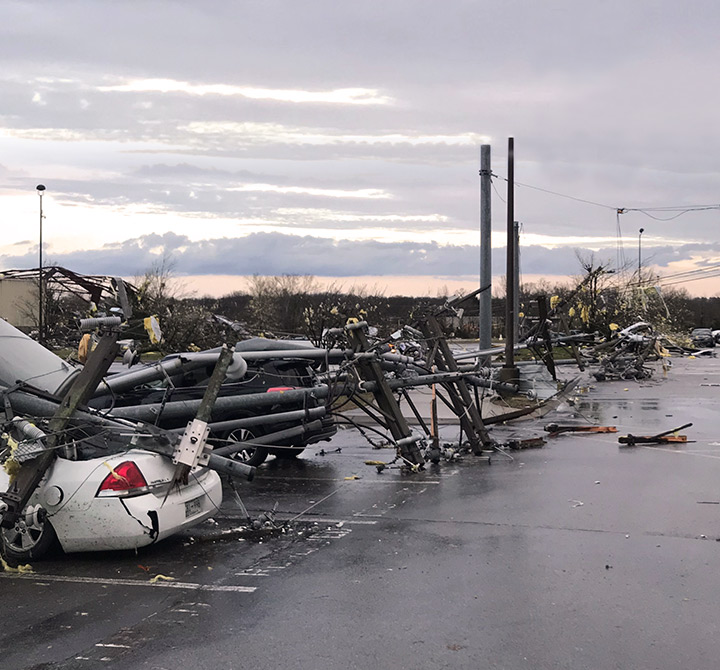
{"points": [[350, 119], [276, 254], [345, 96]]}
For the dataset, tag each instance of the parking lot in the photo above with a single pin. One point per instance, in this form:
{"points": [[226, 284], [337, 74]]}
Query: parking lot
{"points": [[581, 554]]}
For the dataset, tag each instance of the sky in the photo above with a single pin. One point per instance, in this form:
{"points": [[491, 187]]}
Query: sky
{"points": [[342, 139]]}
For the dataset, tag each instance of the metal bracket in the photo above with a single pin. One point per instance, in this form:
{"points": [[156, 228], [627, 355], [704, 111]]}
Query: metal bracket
{"points": [[193, 448]]}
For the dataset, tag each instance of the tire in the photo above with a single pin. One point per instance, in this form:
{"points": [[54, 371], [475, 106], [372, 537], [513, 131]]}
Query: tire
{"points": [[249, 455], [31, 537]]}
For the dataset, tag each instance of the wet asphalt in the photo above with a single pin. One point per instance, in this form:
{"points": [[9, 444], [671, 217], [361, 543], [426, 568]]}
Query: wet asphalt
{"points": [[581, 554]]}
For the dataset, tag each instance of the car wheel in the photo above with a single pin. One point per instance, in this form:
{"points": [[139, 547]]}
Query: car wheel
{"points": [[30, 537], [249, 455]]}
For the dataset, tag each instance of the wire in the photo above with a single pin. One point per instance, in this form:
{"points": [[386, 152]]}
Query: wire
{"points": [[561, 195], [646, 212], [497, 192], [679, 210]]}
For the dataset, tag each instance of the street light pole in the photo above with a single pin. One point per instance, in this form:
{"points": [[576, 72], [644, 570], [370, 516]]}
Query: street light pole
{"points": [[642, 230], [40, 188]]}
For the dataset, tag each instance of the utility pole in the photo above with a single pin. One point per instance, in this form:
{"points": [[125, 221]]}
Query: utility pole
{"points": [[516, 281], [509, 371], [642, 230], [40, 188], [485, 297]]}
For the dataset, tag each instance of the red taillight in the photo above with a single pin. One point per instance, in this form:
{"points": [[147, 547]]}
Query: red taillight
{"points": [[279, 389], [123, 478]]}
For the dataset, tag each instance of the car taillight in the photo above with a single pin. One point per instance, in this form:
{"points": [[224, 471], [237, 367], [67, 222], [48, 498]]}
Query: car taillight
{"points": [[124, 478], [280, 389]]}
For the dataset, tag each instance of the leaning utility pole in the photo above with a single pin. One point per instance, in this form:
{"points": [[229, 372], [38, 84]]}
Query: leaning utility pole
{"points": [[485, 297], [41, 330]]}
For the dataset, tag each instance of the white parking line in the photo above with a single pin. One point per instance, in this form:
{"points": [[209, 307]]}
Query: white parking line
{"points": [[127, 582], [684, 452], [322, 521], [357, 481]]}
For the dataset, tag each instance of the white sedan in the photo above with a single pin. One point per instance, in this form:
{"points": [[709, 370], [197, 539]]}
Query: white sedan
{"points": [[120, 501]]}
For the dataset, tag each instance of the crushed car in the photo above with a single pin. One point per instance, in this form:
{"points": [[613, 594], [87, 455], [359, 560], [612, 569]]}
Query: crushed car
{"points": [[264, 367], [88, 481], [100, 500]]}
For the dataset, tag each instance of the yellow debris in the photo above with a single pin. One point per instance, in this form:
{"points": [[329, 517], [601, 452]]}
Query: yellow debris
{"points": [[20, 568], [113, 473], [163, 578], [11, 466], [84, 348], [152, 327]]}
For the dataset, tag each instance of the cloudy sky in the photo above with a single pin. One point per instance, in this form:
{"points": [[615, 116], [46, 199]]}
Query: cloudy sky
{"points": [[342, 139]]}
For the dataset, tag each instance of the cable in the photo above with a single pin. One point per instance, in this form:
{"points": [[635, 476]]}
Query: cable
{"points": [[561, 195], [679, 209]]}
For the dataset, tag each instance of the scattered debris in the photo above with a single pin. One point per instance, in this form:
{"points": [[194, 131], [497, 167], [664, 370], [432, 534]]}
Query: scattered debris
{"points": [[554, 429], [669, 436], [530, 443]]}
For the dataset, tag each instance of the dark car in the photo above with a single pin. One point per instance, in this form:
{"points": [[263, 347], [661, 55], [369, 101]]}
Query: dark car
{"points": [[702, 338], [268, 376]]}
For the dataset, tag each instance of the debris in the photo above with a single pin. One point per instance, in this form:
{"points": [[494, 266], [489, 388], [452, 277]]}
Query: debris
{"points": [[530, 443], [661, 438], [577, 503], [19, 568], [163, 578], [554, 429]]}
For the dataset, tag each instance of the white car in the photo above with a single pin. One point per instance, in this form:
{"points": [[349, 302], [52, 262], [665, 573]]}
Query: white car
{"points": [[119, 501]]}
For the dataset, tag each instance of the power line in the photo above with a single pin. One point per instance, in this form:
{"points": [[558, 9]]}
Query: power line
{"points": [[561, 195], [679, 210], [690, 273], [690, 279]]}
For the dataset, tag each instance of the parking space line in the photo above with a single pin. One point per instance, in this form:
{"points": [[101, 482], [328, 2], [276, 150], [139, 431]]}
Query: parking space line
{"points": [[190, 586], [320, 520], [354, 481], [685, 452], [113, 646]]}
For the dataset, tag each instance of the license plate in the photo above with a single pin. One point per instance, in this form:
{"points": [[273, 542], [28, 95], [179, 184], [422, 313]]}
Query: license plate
{"points": [[193, 507]]}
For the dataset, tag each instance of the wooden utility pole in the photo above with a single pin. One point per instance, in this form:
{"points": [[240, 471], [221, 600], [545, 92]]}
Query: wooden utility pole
{"points": [[509, 371], [516, 282]]}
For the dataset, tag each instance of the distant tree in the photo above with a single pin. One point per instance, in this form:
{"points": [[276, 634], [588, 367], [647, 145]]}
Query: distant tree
{"points": [[278, 303], [185, 324]]}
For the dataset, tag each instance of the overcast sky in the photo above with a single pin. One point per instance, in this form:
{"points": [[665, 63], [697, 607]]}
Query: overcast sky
{"points": [[342, 139]]}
